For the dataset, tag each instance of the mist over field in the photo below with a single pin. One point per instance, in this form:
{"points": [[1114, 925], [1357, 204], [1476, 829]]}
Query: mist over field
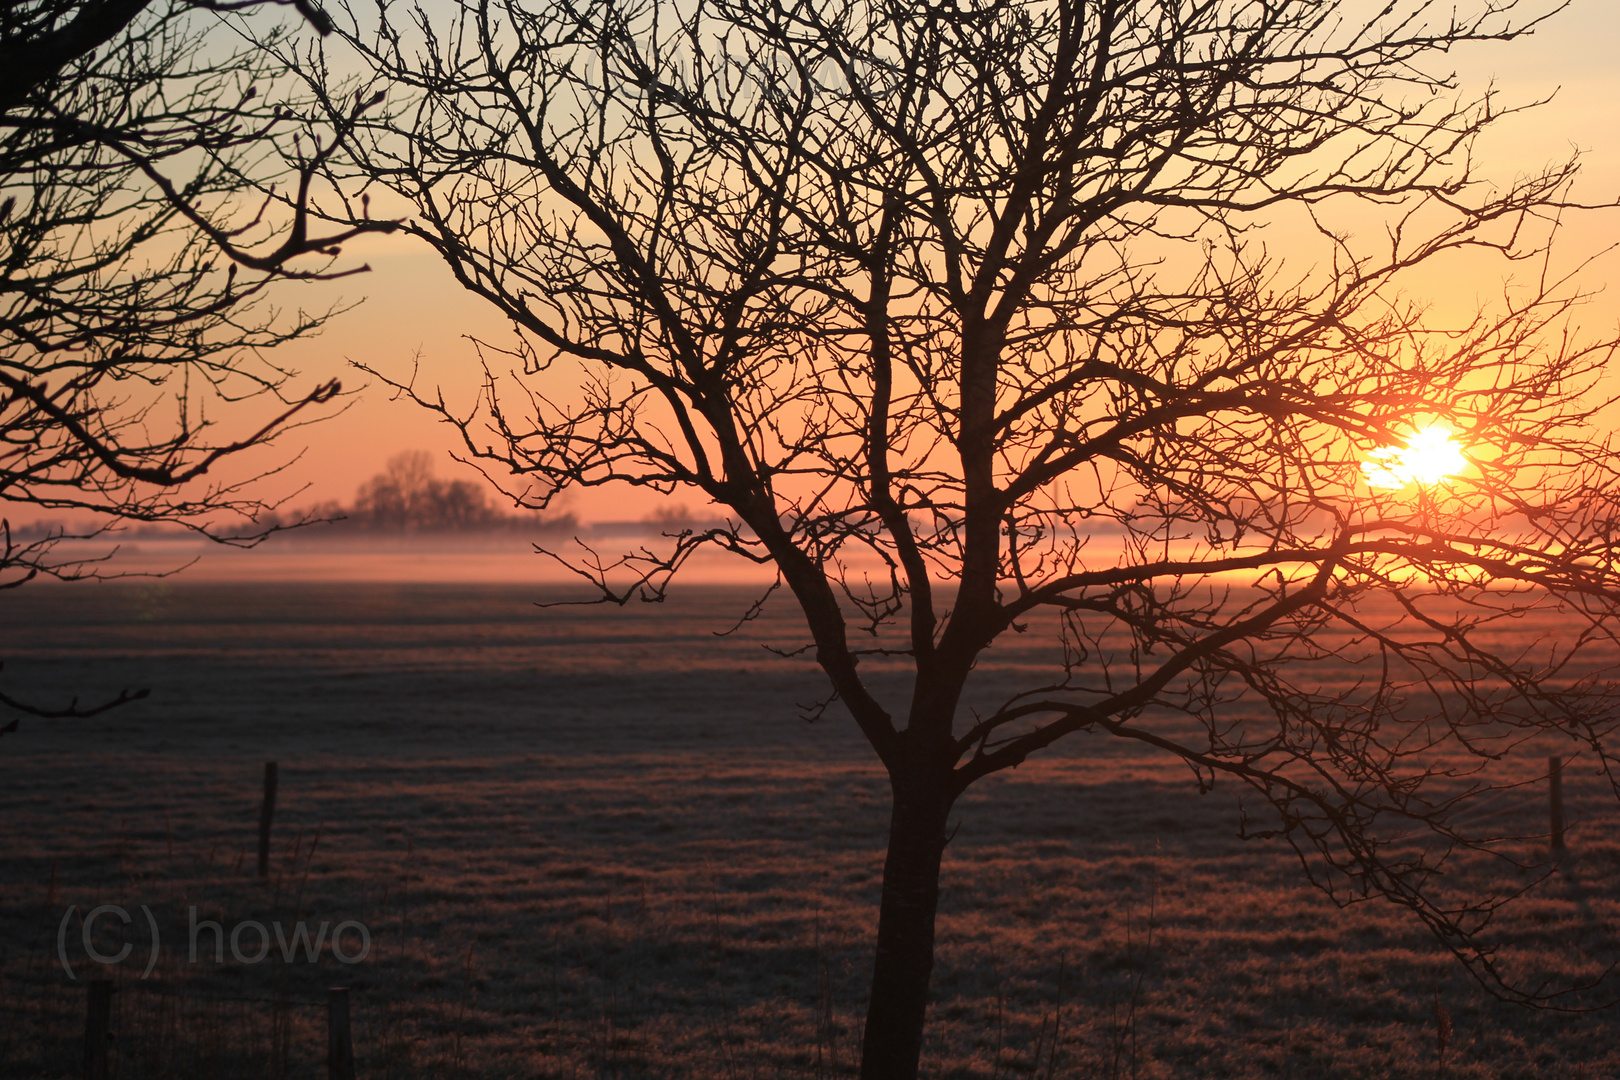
{"points": [[602, 842]]}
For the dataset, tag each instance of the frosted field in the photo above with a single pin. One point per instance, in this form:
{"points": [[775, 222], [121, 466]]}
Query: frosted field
{"points": [[591, 842]]}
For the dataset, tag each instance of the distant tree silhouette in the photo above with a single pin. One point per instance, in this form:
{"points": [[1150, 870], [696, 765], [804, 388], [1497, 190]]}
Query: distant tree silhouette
{"points": [[139, 233], [977, 294], [406, 498]]}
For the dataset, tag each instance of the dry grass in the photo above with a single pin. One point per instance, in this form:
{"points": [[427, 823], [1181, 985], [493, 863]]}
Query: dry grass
{"points": [[598, 844]]}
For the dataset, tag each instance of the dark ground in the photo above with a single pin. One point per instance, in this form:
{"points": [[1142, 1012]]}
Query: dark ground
{"points": [[601, 843]]}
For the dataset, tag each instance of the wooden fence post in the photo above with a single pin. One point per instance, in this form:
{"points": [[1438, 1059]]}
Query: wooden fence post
{"points": [[339, 1043], [267, 811], [97, 1021], [1555, 801]]}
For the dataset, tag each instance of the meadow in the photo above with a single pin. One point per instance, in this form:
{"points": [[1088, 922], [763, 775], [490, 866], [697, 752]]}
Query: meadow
{"points": [[599, 842]]}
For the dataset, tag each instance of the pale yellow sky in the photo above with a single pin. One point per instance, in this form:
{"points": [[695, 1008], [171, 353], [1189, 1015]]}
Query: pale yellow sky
{"points": [[412, 305]]}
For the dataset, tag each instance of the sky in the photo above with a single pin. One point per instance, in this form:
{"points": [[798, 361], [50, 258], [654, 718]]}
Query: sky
{"points": [[411, 306]]}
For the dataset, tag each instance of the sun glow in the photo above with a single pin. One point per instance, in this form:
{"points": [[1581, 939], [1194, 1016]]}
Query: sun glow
{"points": [[1429, 456]]}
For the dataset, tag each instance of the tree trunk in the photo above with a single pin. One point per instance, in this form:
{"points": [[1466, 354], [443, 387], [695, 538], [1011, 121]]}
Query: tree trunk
{"points": [[905, 946]]}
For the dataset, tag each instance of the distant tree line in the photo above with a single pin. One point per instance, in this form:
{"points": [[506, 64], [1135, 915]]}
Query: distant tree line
{"points": [[406, 497]]}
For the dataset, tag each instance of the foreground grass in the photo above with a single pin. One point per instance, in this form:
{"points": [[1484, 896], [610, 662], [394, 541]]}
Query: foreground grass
{"points": [[576, 865], [670, 917]]}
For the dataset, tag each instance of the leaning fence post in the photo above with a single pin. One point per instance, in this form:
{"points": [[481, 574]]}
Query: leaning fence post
{"points": [[1555, 800], [97, 1021], [267, 811], [339, 1044]]}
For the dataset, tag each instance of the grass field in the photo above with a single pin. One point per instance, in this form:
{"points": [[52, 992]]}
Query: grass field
{"points": [[600, 843]]}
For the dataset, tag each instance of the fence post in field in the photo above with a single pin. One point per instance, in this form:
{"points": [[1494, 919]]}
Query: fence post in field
{"points": [[267, 811], [339, 1044], [1555, 801], [97, 1021]]}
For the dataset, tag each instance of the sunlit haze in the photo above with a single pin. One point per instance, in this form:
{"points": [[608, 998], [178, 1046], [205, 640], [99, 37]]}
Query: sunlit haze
{"points": [[1429, 456]]}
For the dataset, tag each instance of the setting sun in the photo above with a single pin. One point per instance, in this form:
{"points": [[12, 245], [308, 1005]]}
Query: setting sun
{"points": [[1430, 455]]}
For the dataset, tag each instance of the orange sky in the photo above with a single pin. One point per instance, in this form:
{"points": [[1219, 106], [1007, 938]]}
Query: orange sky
{"points": [[412, 305]]}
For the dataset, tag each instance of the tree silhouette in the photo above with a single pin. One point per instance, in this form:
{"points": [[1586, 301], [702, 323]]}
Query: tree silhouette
{"points": [[407, 497], [967, 314], [140, 233]]}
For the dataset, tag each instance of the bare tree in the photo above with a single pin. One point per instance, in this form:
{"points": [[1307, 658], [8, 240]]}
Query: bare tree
{"points": [[139, 234], [41, 41], [966, 312]]}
